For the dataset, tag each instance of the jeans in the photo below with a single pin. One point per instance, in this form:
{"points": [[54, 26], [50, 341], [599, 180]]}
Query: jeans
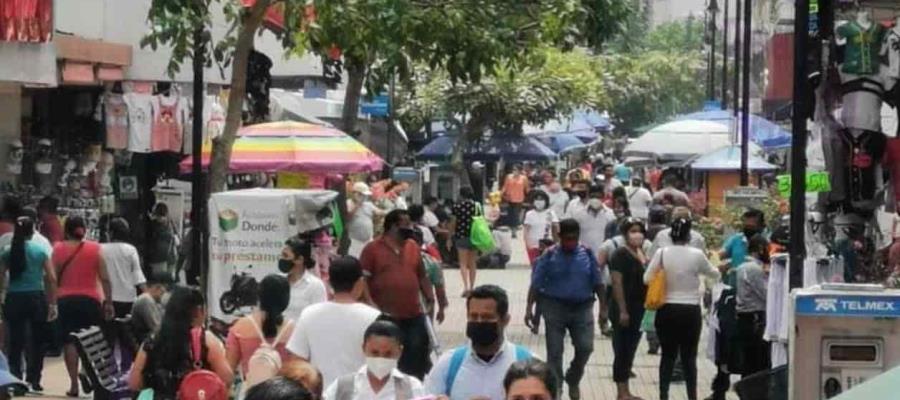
{"points": [[578, 320], [415, 360], [625, 343], [678, 327], [26, 320]]}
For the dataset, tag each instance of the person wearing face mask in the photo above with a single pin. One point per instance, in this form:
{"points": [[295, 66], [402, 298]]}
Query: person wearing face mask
{"points": [[593, 220], [557, 196], [395, 277], [306, 288], [735, 247], [579, 201], [565, 282], [379, 378], [541, 223], [330, 335], [626, 266], [752, 283], [476, 370]]}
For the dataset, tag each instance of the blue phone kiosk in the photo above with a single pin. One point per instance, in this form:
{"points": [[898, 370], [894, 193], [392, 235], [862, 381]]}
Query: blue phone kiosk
{"points": [[841, 336]]}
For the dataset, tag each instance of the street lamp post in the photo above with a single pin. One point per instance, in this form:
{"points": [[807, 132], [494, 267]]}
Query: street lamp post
{"points": [[745, 107], [712, 9], [725, 56]]}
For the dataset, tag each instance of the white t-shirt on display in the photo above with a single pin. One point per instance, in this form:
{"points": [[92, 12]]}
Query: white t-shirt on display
{"points": [[140, 122], [683, 266], [124, 268], [330, 336], [540, 225]]}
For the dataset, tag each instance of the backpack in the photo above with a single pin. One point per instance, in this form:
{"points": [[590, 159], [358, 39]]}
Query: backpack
{"points": [[459, 355], [201, 384], [346, 388], [265, 362]]}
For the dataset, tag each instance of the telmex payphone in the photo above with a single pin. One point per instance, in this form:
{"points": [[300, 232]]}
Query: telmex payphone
{"points": [[841, 335]]}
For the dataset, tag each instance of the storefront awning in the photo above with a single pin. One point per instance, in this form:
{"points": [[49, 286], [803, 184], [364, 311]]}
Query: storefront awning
{"points": [[28, 63]]}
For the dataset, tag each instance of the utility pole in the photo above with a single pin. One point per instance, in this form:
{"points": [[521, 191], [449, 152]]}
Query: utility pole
{"points": [[745, 118], [712, 9], [198, 179], [797, 248], [725, 56], [737, 58]]}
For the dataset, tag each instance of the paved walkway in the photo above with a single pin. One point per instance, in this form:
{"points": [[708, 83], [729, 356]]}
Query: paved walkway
{"points": [[597, 384]]}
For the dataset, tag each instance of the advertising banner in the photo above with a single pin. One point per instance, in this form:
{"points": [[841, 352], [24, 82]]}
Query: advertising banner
{"points": [[247, 234]]}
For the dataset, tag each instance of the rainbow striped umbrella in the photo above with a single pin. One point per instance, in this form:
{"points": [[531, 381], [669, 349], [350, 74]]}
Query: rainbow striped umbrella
{"points": [[296, 147]]}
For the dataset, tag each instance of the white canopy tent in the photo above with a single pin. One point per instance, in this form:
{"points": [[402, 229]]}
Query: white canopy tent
{"points": [[681, 140]]}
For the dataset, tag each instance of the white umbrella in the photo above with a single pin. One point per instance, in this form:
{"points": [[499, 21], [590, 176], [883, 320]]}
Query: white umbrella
{"points": [[681, 140]]}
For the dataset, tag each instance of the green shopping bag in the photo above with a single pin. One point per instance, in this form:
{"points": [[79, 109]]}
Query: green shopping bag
{"points": [[480, 234], [648, 322]]}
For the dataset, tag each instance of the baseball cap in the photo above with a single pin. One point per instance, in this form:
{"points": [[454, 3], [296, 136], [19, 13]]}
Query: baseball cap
{"points": [[361, 187]]}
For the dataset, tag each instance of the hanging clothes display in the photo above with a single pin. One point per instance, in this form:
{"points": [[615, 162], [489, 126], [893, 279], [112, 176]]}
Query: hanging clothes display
{"points": [[890, 49], [115, 112], [26, 20], [166, 128], [861, 100], [776, 331], [140, 121], [863, 46], [854, 163]]}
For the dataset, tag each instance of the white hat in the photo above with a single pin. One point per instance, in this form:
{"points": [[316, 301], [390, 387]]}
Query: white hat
{"points": [[361, 187]]}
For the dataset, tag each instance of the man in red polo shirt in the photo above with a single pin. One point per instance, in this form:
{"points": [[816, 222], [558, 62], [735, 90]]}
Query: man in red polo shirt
{"points": [[396, 278]]}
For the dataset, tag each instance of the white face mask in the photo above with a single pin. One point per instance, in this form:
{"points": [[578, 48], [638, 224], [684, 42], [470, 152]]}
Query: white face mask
{"points": [[380, 367], [540, 205], [596, 204]]}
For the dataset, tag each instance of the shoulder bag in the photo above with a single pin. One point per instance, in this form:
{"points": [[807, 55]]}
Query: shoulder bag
{"points": [[656, 290]]}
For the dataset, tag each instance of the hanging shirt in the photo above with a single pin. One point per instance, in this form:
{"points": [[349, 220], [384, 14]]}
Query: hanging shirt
{"points": [[215, 123], [891, 49], [116, 113], [140, 121], [167, 119], [863, 47]]}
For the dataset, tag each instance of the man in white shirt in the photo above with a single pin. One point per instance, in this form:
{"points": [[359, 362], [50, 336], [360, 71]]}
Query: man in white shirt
{"points": [[579, 202], [610, 182], [476, 371], [330, 335], [360, 218], [593, 220], [639, 199], [430, 219], [306, 288], [123, 265], [379, 378]]}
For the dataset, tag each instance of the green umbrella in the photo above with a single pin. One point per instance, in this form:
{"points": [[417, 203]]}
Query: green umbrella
{"points": [[884, 386]]}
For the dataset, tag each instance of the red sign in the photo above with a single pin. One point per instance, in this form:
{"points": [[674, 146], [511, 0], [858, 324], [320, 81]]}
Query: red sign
{"points": [[26, 21]]}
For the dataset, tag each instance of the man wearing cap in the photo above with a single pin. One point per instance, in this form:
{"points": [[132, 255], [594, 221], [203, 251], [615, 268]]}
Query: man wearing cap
{"points": [[360, 218]]}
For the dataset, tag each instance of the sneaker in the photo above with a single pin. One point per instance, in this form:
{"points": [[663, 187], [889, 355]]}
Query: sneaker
{"points": [[36, 387]]}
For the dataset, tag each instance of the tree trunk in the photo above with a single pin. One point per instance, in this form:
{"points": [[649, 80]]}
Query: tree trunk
{"points": [[221, 152], [356, 75]]}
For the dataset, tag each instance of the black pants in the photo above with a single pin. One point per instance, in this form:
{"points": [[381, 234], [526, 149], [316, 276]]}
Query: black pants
{"points": [[678, 327], [26, 321], [415, 359], [625, 343], [755, 353]]}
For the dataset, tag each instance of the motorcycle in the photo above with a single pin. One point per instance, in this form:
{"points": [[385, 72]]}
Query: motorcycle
{"points": [[244, 292]]}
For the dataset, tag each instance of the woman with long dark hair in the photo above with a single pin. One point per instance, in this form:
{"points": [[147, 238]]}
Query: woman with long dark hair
{"points": [[267, 324], [166, 358], [464, 211], [79, 266], [30, 300], [678, 321]]}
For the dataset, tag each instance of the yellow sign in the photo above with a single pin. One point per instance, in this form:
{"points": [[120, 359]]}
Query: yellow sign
{"points": [[293, 180]]}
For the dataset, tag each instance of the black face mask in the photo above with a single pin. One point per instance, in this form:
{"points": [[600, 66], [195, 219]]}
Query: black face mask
{"points": [[581, 195], [483, 333], [407, 234], [285, 266], [750, 232]]}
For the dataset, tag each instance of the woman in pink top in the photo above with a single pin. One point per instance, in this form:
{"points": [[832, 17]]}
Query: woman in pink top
{"points": [[266, 323], [79, 269]]}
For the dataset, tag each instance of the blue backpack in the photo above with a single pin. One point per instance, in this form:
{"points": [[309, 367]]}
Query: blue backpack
{"points": [[459, 355]]}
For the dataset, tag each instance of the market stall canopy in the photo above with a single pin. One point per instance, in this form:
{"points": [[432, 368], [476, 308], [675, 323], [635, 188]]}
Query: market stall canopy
{"points": [[584, 125], [493, 148], [561, 143], [679, 140], [763, 132], [728, 158], [296, 147], [884, 386]]}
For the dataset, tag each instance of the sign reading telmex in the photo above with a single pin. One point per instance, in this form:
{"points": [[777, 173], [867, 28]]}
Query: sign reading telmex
{"points": [[849, 306]]}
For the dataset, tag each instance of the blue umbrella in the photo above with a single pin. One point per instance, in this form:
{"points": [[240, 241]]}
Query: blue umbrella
{"points": [[728, 158], [763, 132], [509, 147], [561, 143], [584, 125]]}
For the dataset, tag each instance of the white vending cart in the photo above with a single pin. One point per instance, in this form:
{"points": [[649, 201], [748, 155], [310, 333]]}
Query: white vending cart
{"points": [[841, 336]]}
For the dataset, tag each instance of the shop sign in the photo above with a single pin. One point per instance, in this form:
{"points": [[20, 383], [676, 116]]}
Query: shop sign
{"points": [[816, 182], [293, 180], [247, 234], [128, 187], [378, 107], [849, 306]]}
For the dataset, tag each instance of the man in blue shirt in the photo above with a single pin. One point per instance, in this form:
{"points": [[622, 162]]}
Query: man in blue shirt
{"points": [[735, 247], [565, 281]]}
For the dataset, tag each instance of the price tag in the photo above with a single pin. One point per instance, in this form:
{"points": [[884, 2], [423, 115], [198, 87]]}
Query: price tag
{"points": [[816, 182]]}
